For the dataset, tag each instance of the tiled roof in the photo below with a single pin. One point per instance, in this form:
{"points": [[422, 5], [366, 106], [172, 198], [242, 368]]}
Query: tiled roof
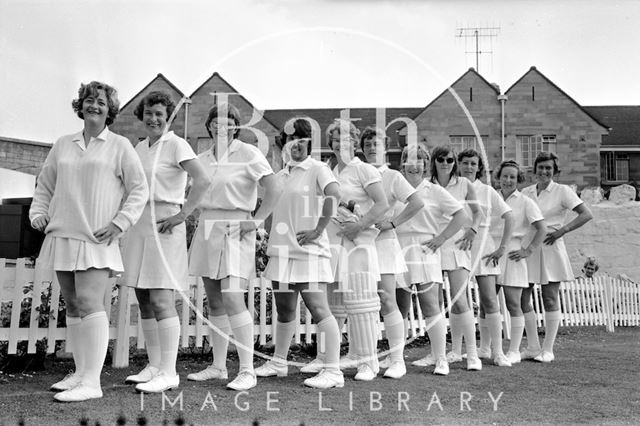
{"points": [[623, 120], [160, 76]]}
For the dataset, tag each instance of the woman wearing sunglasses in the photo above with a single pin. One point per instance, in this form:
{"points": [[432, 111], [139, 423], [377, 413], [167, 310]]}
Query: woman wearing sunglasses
{"points": [[456, 256]]}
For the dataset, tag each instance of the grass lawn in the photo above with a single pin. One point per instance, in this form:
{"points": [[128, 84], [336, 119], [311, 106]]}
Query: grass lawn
{"points": [[594, 380]]}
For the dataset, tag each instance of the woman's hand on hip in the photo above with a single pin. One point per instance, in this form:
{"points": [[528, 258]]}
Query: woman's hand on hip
{"points": [[167, 224], [109, 233], [41, 222]]}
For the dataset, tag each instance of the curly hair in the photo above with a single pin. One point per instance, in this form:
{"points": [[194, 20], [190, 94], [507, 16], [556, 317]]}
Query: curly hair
{"points": [[299, 128], [92, 89], [442, 151], [338, 124], [154, 98], [470, 153], [510, 163], [232, 113], [546, 156]]}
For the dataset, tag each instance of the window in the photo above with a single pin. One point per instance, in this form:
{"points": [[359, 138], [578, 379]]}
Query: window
{"points": [[614, 167], [529, 146], [460, 143]]}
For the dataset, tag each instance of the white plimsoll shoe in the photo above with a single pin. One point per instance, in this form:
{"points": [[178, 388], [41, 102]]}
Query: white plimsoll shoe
{"points": [[484, 353], [348, 362], [453, 357], [385, 362], [501, 360], [424, 362], [474, 364], [513, 357], [365, 373], [529, 353], [161, 382], [396, 370], [144, 376], [326, 379], [272, 368], [79, 393], [70, 381], [245, 380], [209, 373], [313, 367], [545, 357], [442, 367]]}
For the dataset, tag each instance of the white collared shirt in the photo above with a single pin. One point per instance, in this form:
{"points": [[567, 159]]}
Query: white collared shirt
{"points": [[353, 179], [396, 188], [525, 212], [555, 201], [489, 202]]}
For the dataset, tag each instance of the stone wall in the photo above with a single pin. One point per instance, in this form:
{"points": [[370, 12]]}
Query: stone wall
{"points": [[22, 155]]}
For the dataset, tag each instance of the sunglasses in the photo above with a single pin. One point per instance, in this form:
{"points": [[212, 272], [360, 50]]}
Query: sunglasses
{"points": [[449, 160]]}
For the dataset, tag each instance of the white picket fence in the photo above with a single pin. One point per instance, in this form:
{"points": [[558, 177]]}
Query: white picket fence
{"points": [[601, 301]]}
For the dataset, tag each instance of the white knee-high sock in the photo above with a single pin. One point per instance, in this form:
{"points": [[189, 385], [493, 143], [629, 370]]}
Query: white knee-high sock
{"points": [[394, 329], [485, 334], [517, 328], [329, 343], [73, 328], [531, 328], [284, 334], [151, 340], [242, 326], [456, 322], [169, 338], [219, 340], [437, 335], [469, 333], [94, 338], [551, 324], [494, 324]]}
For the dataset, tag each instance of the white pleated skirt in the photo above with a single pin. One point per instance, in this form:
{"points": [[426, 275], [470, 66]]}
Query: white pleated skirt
{"points": [[452, 258], [217, 252], [311, 270], [390, 258], [69, 254], [151, 263], [422, 268], [483, 245], [550, 264], [513, 274]]}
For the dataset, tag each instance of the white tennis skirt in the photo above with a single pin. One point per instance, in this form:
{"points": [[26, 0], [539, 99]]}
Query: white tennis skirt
{"points": [[550, 264], [69, 254], [390, 258], [513, 274], [452, 258], [479, 266], [421, 267], [310, 270], [151, 263], [217, 252]]}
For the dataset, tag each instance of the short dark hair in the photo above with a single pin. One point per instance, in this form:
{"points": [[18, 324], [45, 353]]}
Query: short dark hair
{"points": [[299, 128], [417, 151], [91, 89], [546, 156], [232, 113], [510, 163], [441, 151], [373, 132], [153, 98], [470, 153]]}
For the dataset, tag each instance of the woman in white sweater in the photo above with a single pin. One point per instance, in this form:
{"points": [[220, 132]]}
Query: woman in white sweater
{"points": [[91, 189]]}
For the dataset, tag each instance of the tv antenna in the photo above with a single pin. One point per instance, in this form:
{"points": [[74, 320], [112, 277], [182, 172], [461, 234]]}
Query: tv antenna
{"points": [[477, 33]]}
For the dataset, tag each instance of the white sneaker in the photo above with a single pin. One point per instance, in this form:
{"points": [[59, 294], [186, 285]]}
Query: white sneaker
{"points": [[513, 357], [70, 381], [385, 362], [326, 379], [545, 357], [484, 353], [272, 368], [348, 362], [209, 373], [313, 367], [453, 357], [245, 380], [529, 353], [424, 362], [474, 364], [365, 373], [396, 370], [160, 383], [144, 376], [442, 367], [79, 393], [501, 360]]}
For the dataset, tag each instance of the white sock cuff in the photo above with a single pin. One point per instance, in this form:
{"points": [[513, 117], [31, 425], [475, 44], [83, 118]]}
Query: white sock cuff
{"points": [[482, 321], [553, 315], [517, 321], [169, 323], [530, 316], [148, 323], [326, 321], [286, 324], [489, 317], [73, 320], [95, 315], [393, 318], [456, 317], [240, 320]]}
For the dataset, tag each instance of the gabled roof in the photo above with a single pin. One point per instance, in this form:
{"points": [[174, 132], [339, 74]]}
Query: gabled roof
{"points": [[534, 69], [624, 121], [160, 76], [217, 75]]}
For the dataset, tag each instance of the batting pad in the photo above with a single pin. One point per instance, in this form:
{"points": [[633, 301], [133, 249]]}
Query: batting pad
{"points": [[363, 313]]}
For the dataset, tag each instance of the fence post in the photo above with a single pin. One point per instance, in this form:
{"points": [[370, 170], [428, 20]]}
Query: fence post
{"points": [[608, 303], [121, 346]]}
